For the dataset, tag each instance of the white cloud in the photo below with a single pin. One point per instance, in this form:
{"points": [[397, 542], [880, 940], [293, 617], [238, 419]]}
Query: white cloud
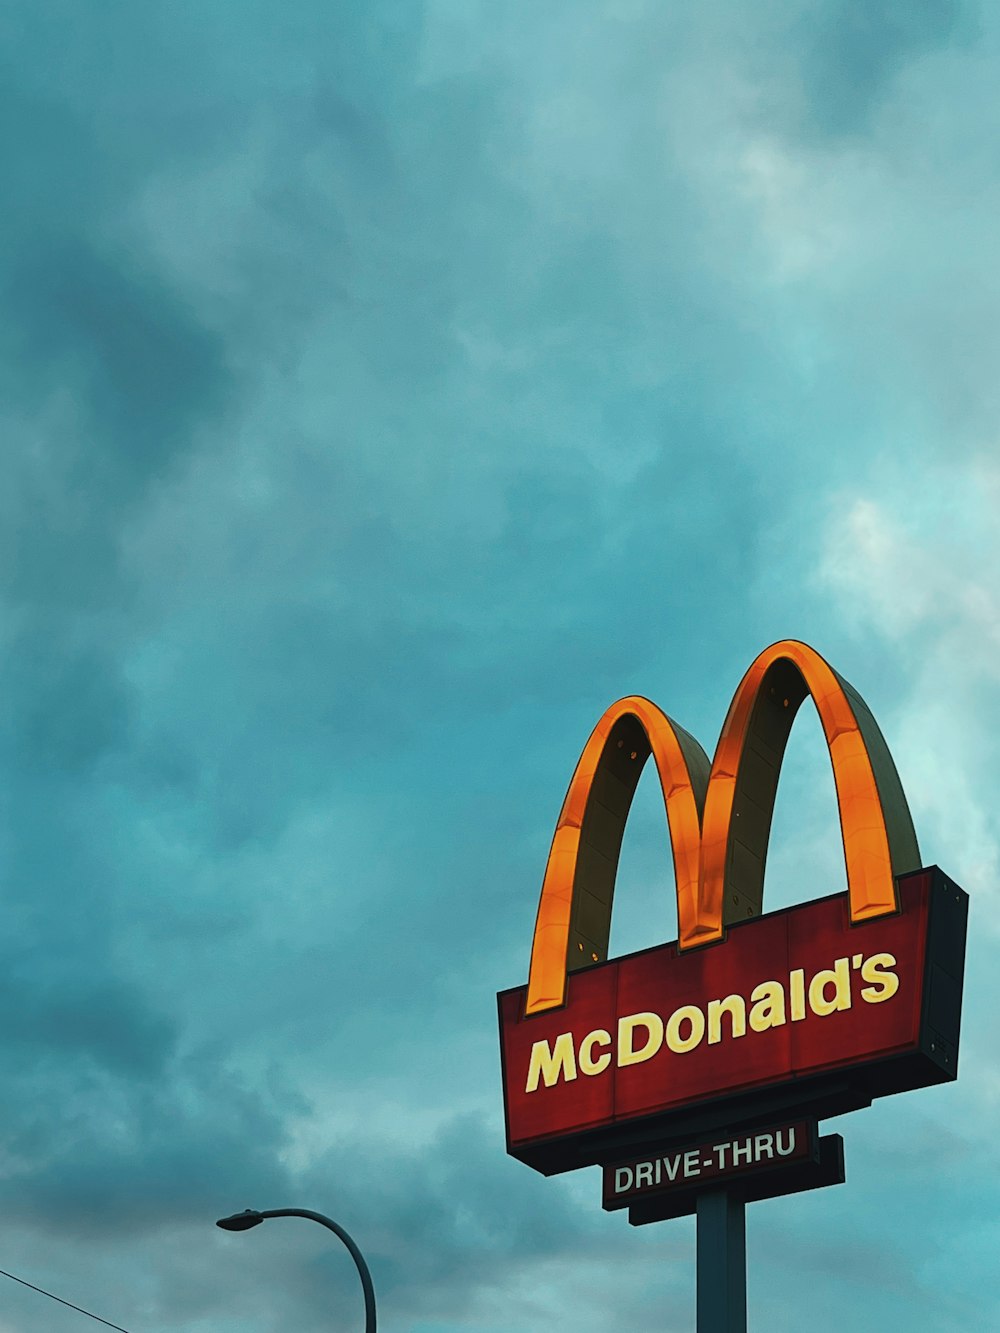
{"points": [[914, 569]]}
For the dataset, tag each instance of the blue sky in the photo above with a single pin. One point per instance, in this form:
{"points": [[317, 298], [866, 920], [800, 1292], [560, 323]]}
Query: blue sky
{"points": [[386, 389]]}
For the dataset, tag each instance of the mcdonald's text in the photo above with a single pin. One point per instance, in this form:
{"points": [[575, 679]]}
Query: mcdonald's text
{"points": [[769, 1005], [802, 1003]]}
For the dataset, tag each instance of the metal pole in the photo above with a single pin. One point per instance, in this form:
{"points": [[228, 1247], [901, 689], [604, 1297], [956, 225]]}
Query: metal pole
{"points": [[721, 1263], [356, 1255]]}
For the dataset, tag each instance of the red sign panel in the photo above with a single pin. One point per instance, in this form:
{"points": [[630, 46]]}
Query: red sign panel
{"points": [[786, 999]]}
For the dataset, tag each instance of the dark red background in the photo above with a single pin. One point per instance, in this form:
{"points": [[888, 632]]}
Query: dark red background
{"points": [[810, 936]]}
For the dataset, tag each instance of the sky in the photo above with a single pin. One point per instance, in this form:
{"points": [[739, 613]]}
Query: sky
{"points": [[384, 390]]}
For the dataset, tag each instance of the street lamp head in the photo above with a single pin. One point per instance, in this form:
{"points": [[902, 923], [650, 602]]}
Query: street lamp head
{"points": [[251, 1218], [241, 1221]]}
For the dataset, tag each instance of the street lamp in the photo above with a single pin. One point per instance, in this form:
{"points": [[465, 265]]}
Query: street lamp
{"points": [[252, 1218]]}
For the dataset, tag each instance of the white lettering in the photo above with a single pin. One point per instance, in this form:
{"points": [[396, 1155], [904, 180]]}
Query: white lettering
{"points": [[742, 1152], [672, 1165], [692, 1166], [623, 1179], [784, 1152]]}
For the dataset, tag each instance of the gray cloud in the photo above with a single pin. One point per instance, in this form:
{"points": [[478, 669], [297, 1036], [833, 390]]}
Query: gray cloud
{"points": [[853, 55], [386, 391]]}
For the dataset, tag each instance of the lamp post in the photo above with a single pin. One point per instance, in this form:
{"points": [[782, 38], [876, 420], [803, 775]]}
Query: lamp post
{"points": [[252, 1218]]}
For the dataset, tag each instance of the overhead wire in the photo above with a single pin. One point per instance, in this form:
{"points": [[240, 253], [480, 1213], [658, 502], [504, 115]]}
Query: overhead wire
{"points": [[106, 1322]]}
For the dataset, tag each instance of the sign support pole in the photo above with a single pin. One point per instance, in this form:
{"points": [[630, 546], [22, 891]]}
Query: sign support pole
{"points": [[721, 1263]]}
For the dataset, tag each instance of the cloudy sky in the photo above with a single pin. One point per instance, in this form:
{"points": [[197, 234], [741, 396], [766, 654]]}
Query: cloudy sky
{"points": [[386, 388]]}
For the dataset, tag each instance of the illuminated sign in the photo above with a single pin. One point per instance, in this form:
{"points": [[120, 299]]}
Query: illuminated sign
{"points": [[824, 1005]]}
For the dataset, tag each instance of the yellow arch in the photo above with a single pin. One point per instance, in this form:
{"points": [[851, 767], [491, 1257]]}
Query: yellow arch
{"points": [[574, 912], [878, 836], [718, 863]]}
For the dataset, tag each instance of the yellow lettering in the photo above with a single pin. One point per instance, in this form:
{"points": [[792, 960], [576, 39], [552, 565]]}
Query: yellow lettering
{"points": [[797, 993], [733, 1005], [839, 977], [687, 1013], [768, 1006], [876, 970], [548, 1064], [588, 1065], [627, 1054]]}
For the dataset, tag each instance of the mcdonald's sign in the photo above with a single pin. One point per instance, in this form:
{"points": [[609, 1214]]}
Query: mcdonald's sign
{"points": [[806, 1012]]}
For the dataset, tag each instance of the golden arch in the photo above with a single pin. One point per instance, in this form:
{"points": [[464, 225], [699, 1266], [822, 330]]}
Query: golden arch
{"points": [[719, 819]]}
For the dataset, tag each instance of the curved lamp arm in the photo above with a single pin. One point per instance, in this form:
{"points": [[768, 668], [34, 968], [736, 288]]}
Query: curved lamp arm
{"points": [[253, 1217]]}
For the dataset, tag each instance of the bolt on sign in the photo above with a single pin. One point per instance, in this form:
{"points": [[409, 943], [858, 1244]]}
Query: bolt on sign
{"points": [[746, 1019]]}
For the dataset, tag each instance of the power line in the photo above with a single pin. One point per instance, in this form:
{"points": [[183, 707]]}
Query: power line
{"points": [[80, 1308]]}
